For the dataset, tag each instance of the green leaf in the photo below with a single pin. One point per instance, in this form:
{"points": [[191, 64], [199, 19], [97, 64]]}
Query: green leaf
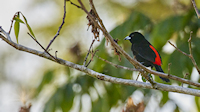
{"points": [[16, 27], [16, 18], [47, 78], [61, 99], [197, 103], [28, 26]]}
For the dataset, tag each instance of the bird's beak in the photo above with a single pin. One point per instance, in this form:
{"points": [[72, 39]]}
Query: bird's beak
{"points": [[127, 38]]}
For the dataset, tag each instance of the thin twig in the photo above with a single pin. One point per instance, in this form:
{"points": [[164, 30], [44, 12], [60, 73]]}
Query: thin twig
{"points": [[118, 66], [88, 52], [74, 4], [178, 49], [185, 76], [41, 46], [91, 58], [191, 54], [60, 27], [138, 76], [195, 8], [190, 50], [169, 68], [56, 54], [12, 22]]}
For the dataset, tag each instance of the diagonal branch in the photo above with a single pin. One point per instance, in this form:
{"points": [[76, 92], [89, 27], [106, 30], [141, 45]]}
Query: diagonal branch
{"points": [[118, 66], [101, 76], [41, 46], [88, 51], [129, 58], [58, 32], [188, 55], [163, 87], [195, 8], [191, 55]]}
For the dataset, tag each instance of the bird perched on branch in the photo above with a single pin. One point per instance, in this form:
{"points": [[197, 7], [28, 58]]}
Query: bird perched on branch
{"points": [[145, 53]]}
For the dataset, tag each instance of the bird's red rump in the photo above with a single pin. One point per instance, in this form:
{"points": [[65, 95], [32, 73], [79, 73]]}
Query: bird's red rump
{"points": [[157, 59]]}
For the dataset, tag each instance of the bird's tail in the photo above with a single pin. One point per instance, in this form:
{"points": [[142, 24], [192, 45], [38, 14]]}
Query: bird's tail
{"points": [[159, 69]]}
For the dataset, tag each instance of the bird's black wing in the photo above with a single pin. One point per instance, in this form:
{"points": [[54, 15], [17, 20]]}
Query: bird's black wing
{"points": [[144, 51]]}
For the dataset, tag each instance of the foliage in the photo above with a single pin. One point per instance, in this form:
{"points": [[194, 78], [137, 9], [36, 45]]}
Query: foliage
{"points": [[175, 27], [158, 34]]}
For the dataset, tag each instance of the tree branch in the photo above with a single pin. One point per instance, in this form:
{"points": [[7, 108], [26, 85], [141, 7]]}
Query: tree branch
{"points": [[88, 51], [118, 66], [6, 37], [101, 76], [58, 32], [195, 8], [188, 55], [129, 58], [191, 55]]}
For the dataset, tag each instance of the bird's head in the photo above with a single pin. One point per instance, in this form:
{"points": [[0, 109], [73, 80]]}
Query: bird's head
{"points": [[135, 37]]}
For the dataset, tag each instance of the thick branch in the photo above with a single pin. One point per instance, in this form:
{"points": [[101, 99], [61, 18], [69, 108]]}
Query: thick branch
{"points": [[127, 56], [101, 76]]}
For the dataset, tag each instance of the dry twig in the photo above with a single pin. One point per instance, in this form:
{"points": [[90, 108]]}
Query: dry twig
{"points": [[195, 8], [169, 68], [88, 51], [60, 27], [41, 46], [190, 50], [131, 60], [118, 66], [91, 58]]}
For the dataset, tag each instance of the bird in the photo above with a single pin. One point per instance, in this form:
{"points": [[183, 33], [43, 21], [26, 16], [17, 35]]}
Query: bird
{"points": [[145, 53]]}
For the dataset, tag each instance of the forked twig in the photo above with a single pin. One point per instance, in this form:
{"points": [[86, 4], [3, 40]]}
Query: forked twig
{"points": [[88, 52], [191, 54], [138, 76], [178, 49], [41, 46], [74, 4], [12, 21], [190, 50], [91, 58]]}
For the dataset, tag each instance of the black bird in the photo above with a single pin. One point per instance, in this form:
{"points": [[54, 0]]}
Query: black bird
{"points": [[145, 53]]}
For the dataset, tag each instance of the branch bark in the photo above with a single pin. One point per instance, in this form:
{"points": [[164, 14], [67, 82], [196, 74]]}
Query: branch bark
{"points": [[195, 8], [128, 57], [101, 76], [163, 87]]}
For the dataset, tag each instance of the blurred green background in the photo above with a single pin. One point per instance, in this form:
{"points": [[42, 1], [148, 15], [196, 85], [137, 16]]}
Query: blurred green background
{"points": [[50, 87]]}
